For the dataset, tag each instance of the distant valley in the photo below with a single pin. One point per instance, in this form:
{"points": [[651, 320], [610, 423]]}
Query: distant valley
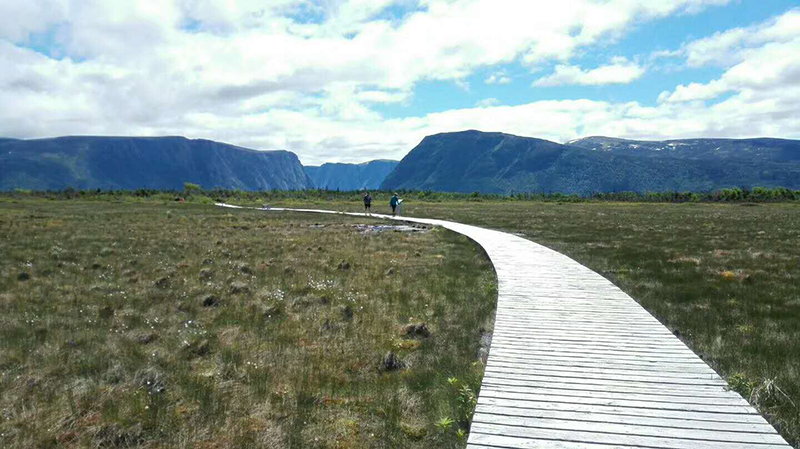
{"points": [[335, 176]]}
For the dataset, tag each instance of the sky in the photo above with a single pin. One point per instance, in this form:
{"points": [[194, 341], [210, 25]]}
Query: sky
{"points": [[355, 80]]}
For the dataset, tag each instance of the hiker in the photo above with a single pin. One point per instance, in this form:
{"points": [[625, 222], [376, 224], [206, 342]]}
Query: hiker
{"points": [[367, 202], [393, 202]]}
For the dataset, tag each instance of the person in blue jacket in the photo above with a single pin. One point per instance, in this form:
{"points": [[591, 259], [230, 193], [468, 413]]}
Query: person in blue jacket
{"points": [[393, 203]]}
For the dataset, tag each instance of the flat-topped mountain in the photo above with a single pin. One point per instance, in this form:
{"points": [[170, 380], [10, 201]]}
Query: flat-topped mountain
{"points": [[144, 162], [502, 163], [338, 176]]}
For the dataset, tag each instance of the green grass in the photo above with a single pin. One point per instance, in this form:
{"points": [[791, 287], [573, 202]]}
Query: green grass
{"points": [[724, 278], [181, 325]]}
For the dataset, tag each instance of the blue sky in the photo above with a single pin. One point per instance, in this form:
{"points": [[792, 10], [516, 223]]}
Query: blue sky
{"points": [[353, 80]]}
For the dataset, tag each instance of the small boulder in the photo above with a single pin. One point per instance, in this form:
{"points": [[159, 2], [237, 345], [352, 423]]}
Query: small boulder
{"points": [[206, 273], [208, 262], [390, 271], [24, 276], [96, 266], [288, 270], [244, 268]]}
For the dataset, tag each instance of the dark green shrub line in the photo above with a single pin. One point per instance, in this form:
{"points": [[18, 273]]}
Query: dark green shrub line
{"points": [[196, 194]]}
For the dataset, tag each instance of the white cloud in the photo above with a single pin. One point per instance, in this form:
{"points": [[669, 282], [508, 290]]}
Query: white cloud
{"points": [[499, 77], [620, 71], [487, 102], [731, 47], [761, 63], [297, 74]]}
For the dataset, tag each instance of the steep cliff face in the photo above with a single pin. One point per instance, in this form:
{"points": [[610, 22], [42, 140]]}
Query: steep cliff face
{"points": [[368, 175], [144, 162], [502, 163]]}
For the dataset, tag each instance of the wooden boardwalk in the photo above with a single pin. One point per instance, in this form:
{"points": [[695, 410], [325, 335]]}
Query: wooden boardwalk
{"points": [[577, 363]]}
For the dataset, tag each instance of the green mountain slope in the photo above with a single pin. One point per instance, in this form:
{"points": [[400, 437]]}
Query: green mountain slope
{"points": [[144, 162], [502, 163]]}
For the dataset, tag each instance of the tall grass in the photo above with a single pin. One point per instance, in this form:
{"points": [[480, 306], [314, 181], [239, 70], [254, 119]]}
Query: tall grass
{"points": [[182, 325]]}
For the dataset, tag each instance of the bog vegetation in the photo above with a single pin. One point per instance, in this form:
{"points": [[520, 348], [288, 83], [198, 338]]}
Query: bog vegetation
{"points": [[182, 325]]}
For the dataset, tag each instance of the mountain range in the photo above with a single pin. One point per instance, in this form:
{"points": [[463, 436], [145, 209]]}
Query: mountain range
{"points": [[503, 163], [144, 162], [346, 177], [466, 161]]}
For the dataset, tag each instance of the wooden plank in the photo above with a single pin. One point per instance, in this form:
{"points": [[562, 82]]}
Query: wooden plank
{"points": [[598, 416], [613, 438], [638, 429]]}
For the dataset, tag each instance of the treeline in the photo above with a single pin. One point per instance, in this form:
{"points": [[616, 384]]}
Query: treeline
{"points": [[196, 194]]}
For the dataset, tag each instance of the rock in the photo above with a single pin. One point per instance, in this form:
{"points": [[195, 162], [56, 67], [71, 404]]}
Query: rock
{"points": [[344, 265], [417, 254], [96, 266], [390, 271], [208, 262], [244, 268], [210, 300], [105, 313], [391, 362], [24, 276], [162, 283], [419, 330], [288, 270], [239, 287], [206, 273]]}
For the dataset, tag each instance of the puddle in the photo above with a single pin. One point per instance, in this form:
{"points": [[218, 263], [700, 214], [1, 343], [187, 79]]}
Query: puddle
{"points": [[391, 228]]}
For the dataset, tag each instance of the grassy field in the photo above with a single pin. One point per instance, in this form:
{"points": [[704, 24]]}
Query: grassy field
{"points": [[724, 278], [180, 325]]}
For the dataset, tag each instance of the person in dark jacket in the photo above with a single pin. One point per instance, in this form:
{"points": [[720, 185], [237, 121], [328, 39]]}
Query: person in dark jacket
{"points": [[393, 203], [367, 202]]}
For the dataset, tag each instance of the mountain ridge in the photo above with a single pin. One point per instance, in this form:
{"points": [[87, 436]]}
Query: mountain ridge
{"points": [[472, 160], [119, 162]]}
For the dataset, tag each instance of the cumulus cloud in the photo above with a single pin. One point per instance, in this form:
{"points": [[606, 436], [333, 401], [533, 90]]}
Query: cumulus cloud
{"points": [[487, 102], [499, 77], [620, 71], [310, 76], [760, 62]]}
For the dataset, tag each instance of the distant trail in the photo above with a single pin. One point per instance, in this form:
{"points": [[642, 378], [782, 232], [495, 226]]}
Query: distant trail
{"points": [[577, 363]]}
